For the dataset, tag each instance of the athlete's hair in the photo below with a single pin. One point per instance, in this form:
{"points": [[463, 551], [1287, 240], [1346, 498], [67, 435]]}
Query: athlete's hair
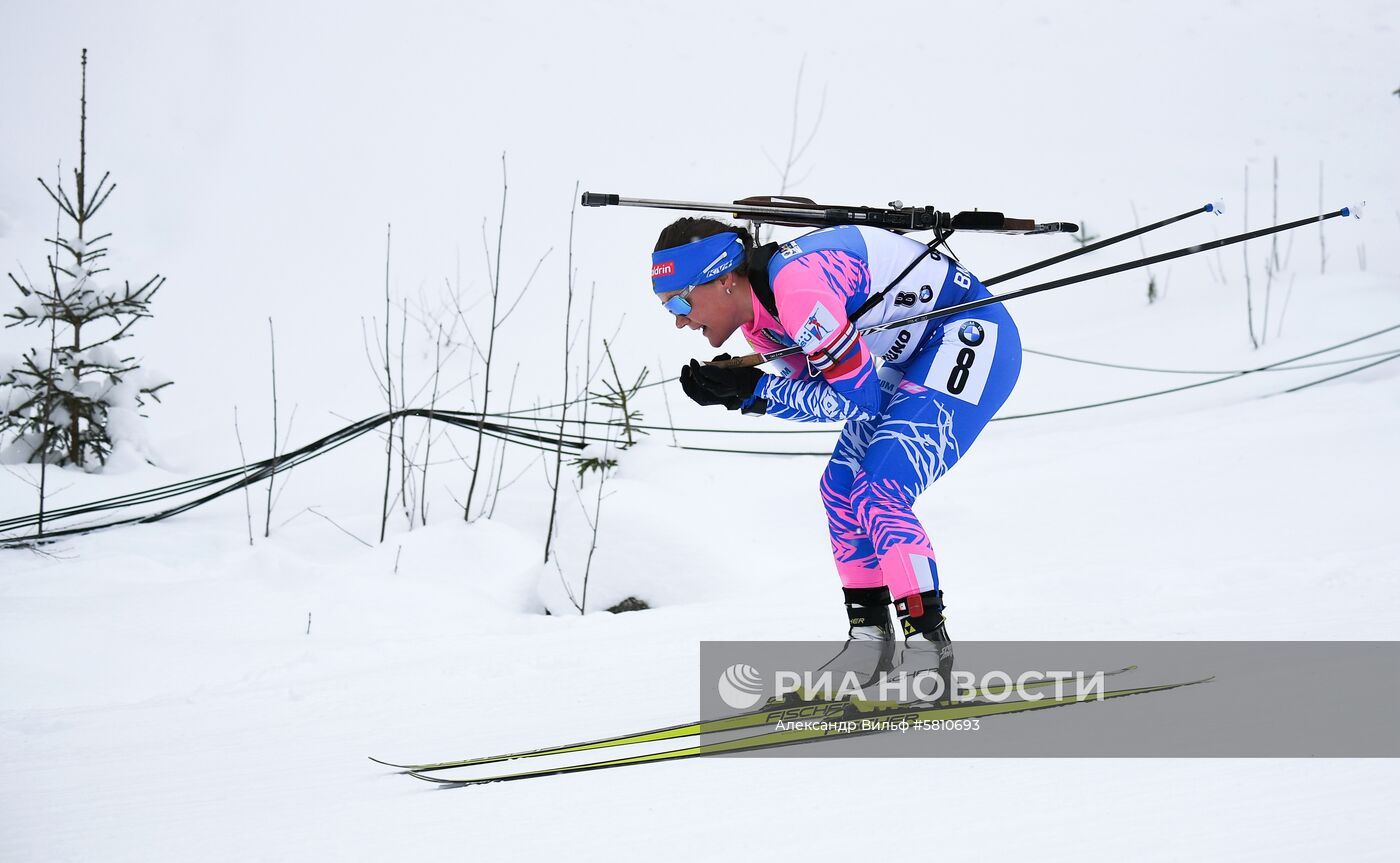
{"points": [[688, 230]]}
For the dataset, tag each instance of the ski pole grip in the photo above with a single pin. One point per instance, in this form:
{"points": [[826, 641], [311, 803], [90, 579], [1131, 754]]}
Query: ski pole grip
{"points": [[598, 199], [737, 362]]}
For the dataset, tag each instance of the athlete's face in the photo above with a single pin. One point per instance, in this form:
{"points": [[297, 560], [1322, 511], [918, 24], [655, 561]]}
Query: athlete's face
{"points": [[717, 309]]}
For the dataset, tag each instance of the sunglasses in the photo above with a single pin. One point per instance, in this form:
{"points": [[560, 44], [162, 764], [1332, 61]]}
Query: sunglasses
{"points": [[679, 305]]}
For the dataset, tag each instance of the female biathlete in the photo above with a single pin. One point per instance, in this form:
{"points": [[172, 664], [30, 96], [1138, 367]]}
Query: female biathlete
{"points": [[913, 398]]}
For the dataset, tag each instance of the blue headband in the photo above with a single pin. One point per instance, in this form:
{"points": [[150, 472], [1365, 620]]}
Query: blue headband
{"points": [[696, 263]]}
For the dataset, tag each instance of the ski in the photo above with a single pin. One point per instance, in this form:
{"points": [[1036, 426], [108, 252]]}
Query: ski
{"points": [[753, 719], [776, 739]]}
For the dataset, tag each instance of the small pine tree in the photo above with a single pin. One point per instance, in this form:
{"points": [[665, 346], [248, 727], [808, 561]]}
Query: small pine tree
{"points": [[60, 410], [620, 398]]}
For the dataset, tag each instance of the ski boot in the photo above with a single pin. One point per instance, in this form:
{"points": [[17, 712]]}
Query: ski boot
{"points": [[869, 649], [928, 651]]}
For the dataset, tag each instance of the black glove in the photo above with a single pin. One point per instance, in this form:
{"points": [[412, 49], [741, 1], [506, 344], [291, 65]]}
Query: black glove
{"points": [[709, 385]]}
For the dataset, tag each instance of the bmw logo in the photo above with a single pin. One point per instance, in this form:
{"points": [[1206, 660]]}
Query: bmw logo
{"points": [[971, 333]]}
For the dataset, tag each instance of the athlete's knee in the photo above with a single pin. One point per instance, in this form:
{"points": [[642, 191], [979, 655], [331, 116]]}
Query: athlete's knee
{"points": [[872, 498], [835, 488]]}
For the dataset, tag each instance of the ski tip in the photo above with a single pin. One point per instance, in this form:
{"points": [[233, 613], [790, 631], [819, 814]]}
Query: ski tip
{"points": [[446, 783], [1353, 210], [398, 768], [1217, 207]]}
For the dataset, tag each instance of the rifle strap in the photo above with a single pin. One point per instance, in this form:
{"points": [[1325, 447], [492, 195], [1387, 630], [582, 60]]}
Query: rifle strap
{"points": [[763, 288], [876, 298], [758, 277]]}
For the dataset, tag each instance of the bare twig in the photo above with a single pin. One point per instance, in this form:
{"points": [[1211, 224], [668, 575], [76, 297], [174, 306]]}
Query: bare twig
{"points": [[1248, 283], [795, 152], [24, 478], [389, 390], [272, 347], [462, 317], [568, 591], [521, 296], [495, 280], [563, 413], [286, 437], [593, 542], [504, 445], [1284, 310], [369, 358], [1142, 247], [404, 473], [588, 353], [432, 406], [666, 400], [243, 459], [313, 511], [1271, 268]]}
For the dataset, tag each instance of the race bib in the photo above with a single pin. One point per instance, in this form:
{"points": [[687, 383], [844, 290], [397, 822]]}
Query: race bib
{"points": [[964, 359]]}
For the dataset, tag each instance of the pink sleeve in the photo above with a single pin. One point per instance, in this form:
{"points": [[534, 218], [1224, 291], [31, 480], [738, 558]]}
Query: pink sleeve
{"points": [[812, 294]]}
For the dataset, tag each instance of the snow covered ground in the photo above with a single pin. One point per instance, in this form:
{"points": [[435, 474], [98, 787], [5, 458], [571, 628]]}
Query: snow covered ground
{"points": [[161, 697]]}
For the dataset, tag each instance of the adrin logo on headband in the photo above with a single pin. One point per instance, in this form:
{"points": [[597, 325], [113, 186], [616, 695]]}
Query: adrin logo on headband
{"points": [[667, 268]]}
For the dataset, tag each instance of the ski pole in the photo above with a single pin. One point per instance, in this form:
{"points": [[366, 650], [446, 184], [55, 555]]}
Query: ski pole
{"points": [[1216, 207], [948, 311]]}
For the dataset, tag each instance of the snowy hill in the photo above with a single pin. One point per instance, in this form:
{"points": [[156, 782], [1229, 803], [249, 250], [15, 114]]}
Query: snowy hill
{"points": [[170, 691]]}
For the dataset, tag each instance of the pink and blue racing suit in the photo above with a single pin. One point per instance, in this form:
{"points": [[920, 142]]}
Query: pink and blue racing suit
{"points": [[913, 398]]}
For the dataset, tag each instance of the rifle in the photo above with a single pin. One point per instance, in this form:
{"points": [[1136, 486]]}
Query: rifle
{"points": [[805, 213]]}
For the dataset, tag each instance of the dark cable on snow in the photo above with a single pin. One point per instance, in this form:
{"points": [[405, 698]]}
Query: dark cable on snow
{"points": [[250, 474], [244, 476], [1343, 374], [1228, 377], [1206, 371]]}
